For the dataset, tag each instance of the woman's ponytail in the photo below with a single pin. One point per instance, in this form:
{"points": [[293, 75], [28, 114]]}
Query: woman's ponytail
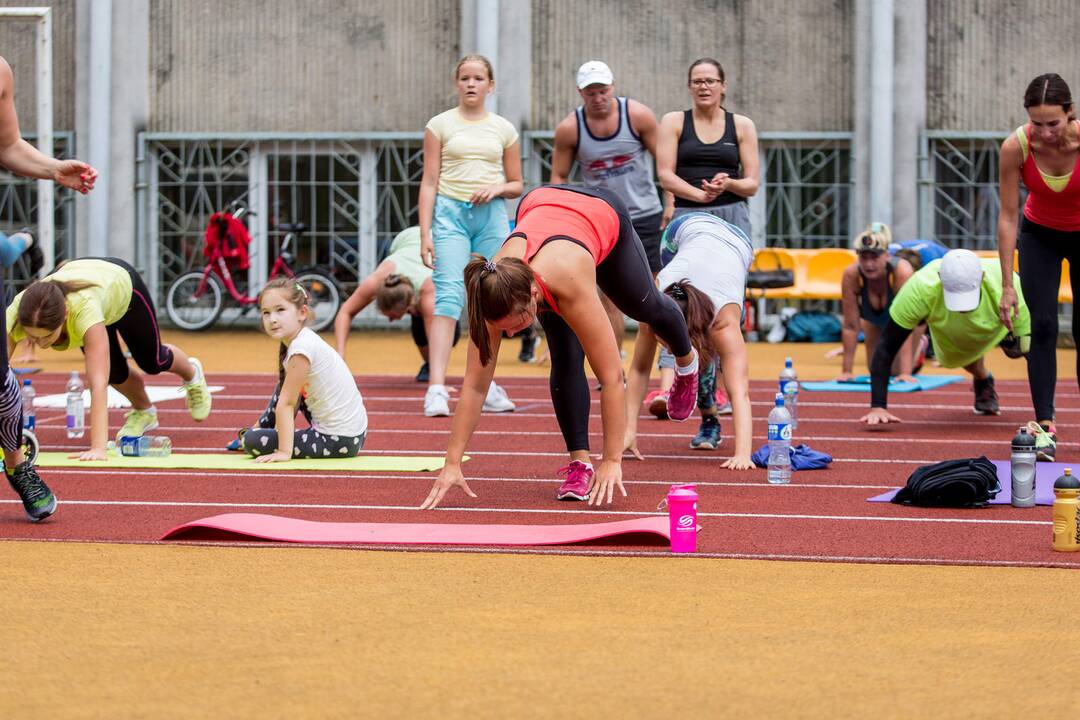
{"points": [[699, 312], [495, 289]]}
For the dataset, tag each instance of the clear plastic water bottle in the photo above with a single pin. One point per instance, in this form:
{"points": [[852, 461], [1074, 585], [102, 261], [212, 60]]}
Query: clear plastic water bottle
{"points": [[779, 467], [789, 387], [76, 411], [29, 417], [145, 446]]}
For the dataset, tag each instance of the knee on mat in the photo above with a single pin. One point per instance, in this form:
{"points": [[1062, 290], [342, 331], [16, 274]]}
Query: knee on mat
{"points": [[260, 442]]}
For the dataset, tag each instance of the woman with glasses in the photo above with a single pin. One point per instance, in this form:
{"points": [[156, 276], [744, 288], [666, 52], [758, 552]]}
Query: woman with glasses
{"points": [[707, 158]]}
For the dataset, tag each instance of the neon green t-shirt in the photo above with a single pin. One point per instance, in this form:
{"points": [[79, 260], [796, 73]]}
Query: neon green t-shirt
{"points": [[105, 302], [959, 338], [405, 254]]}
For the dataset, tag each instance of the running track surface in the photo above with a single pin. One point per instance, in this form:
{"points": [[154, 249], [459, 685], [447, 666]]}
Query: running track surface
{"points": [[822, 515]]}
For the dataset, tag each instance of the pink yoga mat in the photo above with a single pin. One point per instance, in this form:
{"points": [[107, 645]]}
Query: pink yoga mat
{"points": [[282, 529]]}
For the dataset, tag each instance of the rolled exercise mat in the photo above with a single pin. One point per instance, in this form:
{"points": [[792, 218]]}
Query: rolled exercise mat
{"points": [[283, 529], [237, 461], [861, 383], [1045, 475]]}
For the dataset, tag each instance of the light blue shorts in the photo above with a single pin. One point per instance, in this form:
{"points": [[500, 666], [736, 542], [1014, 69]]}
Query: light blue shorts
{"points": [[459, 229]]}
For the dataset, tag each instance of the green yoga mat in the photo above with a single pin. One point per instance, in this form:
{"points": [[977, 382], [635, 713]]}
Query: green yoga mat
{"points": [[238, 461]]}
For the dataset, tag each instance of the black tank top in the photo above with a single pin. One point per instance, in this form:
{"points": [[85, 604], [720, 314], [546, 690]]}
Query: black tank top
{"points": [[697, 161], [867, 311]]}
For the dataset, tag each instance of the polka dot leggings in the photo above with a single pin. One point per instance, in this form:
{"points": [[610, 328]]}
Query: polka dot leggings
{"points": [[307, 442]]}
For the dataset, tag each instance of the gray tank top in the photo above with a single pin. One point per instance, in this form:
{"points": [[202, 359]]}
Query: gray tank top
{"points": [[618, 163]]}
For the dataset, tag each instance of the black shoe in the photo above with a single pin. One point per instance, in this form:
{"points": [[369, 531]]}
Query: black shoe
{"points": [[422, 376], [986, 399], [37, 499], [529, 342], [708, 434]]}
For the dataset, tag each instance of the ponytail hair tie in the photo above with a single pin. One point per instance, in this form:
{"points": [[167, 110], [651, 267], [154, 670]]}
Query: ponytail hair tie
{"points": [[489, 265], [676, 292], [302, 290]]}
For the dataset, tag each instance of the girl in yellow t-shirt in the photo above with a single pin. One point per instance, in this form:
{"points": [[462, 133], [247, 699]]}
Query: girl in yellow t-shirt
{"points": [[90, 304], [472, 162]]}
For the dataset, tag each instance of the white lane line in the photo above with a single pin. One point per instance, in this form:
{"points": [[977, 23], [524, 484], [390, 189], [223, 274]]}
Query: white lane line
{"points": [[535, 511]]}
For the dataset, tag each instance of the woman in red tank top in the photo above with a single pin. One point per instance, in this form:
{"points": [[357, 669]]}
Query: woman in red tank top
{"points": [[1043, 153], [567, 243]]}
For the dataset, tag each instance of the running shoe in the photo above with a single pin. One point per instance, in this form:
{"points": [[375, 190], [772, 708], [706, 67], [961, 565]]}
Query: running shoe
{"points": [[437, 402], [497, 400], [576, 486], [137, 423], [708, 435], [237, 443], [529, 342], [683, 396], [37, 498], [423, 376], [986, 399], [1045, 441], [199, 399], [657, 402], [723, 403]]}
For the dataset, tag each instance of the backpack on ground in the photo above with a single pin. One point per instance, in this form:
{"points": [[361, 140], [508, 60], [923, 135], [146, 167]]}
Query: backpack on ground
{"points": [[970, 482]]}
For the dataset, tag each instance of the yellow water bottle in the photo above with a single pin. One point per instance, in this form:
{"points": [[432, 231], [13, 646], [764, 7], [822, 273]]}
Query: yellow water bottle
{"points": [[1066, 503]]}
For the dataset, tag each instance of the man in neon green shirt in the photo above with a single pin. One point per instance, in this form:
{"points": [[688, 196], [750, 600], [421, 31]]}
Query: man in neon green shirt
{"points": [[957, 297]]}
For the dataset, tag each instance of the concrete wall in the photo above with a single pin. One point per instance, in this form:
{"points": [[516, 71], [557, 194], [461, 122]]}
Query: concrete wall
{"points": [[282, 65], [981, 55], [788, 64], [17, 43]]}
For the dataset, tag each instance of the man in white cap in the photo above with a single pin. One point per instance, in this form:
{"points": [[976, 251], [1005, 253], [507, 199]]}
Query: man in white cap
{"points": [[957, 297], [608, 136]]}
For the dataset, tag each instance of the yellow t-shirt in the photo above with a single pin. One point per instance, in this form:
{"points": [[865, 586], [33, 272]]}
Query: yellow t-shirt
{"points": [[105, 302], [472, 152]]}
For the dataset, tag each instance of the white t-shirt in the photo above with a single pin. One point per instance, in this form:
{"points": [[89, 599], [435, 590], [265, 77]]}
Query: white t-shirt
{"points": [[332, 396], [713, 255]]}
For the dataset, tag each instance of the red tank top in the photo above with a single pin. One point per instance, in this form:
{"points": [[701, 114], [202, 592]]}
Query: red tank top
{"points": [[547, 214], [1055, 210]]}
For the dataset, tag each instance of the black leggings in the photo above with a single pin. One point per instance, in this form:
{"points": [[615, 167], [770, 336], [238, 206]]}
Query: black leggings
{"points": [[419, 334], [624, 276], [10, 396], [1041, 251], [139, 329]]}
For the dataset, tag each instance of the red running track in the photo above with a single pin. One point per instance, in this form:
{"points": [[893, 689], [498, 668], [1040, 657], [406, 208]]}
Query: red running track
{"points": [[822, 515]]}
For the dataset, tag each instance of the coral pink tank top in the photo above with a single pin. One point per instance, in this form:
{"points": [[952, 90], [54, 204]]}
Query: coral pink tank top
{"points": [[1052, 202]]}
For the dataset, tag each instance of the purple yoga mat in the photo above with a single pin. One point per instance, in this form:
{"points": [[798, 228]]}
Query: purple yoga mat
{"points": [[1045, 475]]}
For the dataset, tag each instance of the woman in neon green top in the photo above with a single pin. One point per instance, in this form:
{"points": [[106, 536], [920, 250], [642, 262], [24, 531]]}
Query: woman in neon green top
{"points": [[90, 304], [958, 298]]}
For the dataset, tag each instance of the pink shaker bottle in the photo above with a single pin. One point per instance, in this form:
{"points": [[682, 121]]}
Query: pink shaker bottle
{"points": [[682, 514]]}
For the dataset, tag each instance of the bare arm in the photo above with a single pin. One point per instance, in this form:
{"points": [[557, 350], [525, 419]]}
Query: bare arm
{"points": [[562, 157], [360, 299], [727, 337], [637, 384], [22, 158], [429, 186], [648, 129], [96, 347], [849, 332], [1008, 214], [667, 149], [296, 372]]}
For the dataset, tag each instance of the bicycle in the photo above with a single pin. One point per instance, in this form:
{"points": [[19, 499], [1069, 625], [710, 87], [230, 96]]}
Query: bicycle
{"points": [[195, 300]]}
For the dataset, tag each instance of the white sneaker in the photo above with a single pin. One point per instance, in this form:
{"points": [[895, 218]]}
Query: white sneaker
{"points": [[497, 400], [437, 401]]}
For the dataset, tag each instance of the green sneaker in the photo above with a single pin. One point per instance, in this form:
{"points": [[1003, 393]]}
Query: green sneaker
{"points": [[1045, 441], [37, 499], [199, 399], [137, 423]]}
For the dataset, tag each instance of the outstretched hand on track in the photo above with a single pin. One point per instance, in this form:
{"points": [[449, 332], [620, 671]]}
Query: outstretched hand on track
{"points": [[449, 476], [878, 417], [607, 477]]}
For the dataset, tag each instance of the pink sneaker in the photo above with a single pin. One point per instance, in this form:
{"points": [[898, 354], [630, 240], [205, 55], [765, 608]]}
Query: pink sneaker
{"points": [[657, 402], [683, 397], [576, 486]]}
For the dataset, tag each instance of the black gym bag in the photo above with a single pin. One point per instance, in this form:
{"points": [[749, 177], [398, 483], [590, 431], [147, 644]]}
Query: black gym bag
{"points": [[971, 482]]}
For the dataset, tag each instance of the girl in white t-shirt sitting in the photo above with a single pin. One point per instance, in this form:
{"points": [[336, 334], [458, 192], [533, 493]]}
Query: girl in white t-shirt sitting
{"points": [[332, 404]]}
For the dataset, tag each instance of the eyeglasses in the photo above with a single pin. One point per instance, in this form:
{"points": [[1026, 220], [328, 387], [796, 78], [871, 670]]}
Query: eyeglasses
{"points": [[705, 82]]}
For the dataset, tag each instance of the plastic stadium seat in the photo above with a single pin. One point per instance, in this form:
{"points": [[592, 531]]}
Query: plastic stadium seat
{"points": [[767, 259], [824, 273]]}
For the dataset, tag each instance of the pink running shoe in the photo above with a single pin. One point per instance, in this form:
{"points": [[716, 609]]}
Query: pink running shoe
{"points": [[576, 486], [657, 402], [683, 397]]}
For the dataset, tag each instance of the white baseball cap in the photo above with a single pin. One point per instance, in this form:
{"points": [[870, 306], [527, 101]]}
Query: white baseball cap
{"points": [[594, 72], [961, 275]]}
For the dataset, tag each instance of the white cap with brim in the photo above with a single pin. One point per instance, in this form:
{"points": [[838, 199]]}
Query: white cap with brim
{"points": [[594, 72], [961, 275]]}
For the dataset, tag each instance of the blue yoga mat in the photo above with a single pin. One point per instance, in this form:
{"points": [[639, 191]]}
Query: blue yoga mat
{"points": [[862, 384], [1045, 475]]}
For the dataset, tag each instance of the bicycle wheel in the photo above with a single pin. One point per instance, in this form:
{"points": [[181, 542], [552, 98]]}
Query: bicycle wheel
{"points": [[324, 298], [189, 309]]}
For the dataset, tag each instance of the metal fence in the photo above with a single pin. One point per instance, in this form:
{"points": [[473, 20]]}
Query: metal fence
{"points": [[19, 209], [958, 188]]}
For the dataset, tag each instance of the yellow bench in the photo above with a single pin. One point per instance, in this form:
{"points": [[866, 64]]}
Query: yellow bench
{"points": [[819, 273]]}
